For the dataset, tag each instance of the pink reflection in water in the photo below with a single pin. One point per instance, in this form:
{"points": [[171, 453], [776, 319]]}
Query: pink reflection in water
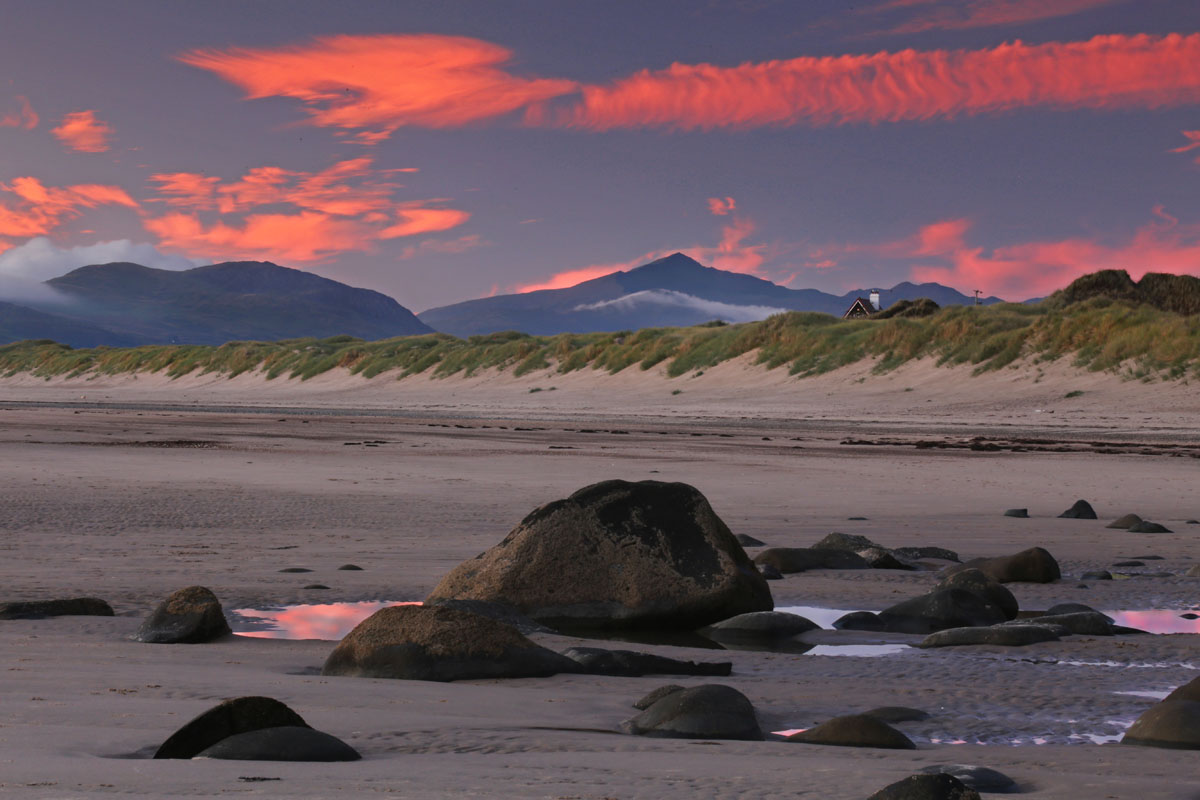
{"points": [[1156, 621], [329, 621]]}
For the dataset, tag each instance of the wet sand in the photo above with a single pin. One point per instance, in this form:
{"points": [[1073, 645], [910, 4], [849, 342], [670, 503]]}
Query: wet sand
{"points": [[130, 495]]}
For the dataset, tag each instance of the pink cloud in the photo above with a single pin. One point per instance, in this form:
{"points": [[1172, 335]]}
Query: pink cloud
{"points": [[81, 131], [23, 117], [720, 207], [35, 209], [964, 14]]}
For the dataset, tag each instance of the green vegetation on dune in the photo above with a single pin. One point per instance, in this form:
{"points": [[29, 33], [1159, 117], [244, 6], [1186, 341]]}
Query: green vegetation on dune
{"points": [[1097, 334]]}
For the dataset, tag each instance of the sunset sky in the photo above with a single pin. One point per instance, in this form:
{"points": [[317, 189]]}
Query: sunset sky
{"points": [[441, 151]]}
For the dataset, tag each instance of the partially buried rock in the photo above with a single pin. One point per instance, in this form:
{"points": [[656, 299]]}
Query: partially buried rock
{"points": [[935, 611], [658, 694], [914, 553], [432, 643], [617, 555], [746, 540], [1004, 635], [282, 744], [350, 567], [632, 664], [1034, 565], [1124, 523], [229, 718], [189, 616], [1145, 526], [850, 542], [1173, 723], [981, 779], [855, 730], [712, 711], [70, 607], [927, 787], [801, 559], [1081, 510], [1072, 608], [1019, 513], [1080, 623], [894, 714], [759, 625], [979, 584], [1096, 575]]}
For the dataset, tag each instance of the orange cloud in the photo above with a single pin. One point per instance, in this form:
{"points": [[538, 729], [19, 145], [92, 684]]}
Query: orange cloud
{"points": [[290, 215], [1193, 143], [563, 280], [379, 83], [24, 117], [721, 207], [38, 209], [80, 130], [964, 14], [1105, 72]]}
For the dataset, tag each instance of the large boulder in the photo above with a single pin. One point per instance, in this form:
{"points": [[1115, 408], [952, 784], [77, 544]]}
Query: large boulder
{"points": [[434, 643], [979, 584], [632, 664], [188, 616], [1190, 691], [940, 786], [497, 611], [229, 718], [282, 744], [801, 559], [1008, 635], [712, 711], [1034, 565], [1081, 510], [855, 730], [940, 609], [68, 607], [1173, 723], [617, 555]]}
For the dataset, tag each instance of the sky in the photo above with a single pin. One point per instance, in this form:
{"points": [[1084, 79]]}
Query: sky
{"points": [[443, 151]]}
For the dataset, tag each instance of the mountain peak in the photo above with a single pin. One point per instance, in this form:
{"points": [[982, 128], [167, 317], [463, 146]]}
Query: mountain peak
{"points": [[673, 261]]}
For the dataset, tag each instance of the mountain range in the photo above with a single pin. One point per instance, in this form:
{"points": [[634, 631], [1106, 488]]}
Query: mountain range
{"points": [[124, 304], [675, 290]]}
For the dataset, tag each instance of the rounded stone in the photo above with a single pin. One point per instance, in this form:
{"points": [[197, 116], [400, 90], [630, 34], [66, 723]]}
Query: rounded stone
{"points": [[282, 744], [940, 786], [188, 616], [1002, 635], [855, 730], [1034, 565], [760, 625], [712, 711], [1172, 723], [979, 584], [229, 718], [69, 607], [1124, 523], [981, 779]]}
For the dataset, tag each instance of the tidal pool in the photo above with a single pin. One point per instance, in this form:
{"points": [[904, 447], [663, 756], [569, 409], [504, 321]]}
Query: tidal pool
{"points": [[329, 621], [1157, 620]]}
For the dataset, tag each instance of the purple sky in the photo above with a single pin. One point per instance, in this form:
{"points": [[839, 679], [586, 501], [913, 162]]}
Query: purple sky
{"points": [[440, 151]]}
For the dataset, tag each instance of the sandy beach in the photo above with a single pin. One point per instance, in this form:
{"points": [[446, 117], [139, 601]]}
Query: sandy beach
{"points": [[128, 488]]}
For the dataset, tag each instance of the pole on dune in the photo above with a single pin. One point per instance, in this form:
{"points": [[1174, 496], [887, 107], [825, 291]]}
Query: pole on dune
{"points": [[977, 293]]}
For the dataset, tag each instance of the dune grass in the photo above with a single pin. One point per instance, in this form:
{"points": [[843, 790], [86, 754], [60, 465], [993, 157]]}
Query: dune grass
{"points": [[1098, 334]]}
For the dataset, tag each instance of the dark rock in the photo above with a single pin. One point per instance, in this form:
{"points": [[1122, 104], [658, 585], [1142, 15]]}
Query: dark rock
{"points": [[1034, 565], [189, 616], [656, 695], [434, 643], [1189, 615], [1124, 523], [316, 586], [1020, 513], [894, 714], [801, 559], [981, 779], [769, 573], [282, 744], [712, 711], [847, 541], [69, 607], [760, 625], [979, 584], [1173, 723], [927, 787], [295, 569], [1096, 575], [1129, 563], [1148, 558], [858, 621], [497, 611], [1072, 608], [229, 718], [351, 567], [855, 730], [916, 553], [617, 554], [1145, 526], [881, 558], [1192, 522], [1081, 510], [940, 609], [1079, 623], [857, 519], [632, 664], [1008, 635], [746, 540], [1190, 691]]}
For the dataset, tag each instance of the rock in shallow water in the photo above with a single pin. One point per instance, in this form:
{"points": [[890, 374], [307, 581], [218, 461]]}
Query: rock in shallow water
{"points": [[940, 609], [617, 555], [1007, 635], [712, 711], [927, 787], [432, 643], [188, 616], [758, 625], [70, 607]]}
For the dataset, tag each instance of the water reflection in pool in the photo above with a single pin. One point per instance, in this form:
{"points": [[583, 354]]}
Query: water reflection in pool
{"points": [[1156, 620], [329, 621]]}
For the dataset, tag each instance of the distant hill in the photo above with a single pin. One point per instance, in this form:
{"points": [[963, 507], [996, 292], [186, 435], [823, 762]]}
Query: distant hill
{"points": [[123, 304], [1166, 292], [672, 291]]}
